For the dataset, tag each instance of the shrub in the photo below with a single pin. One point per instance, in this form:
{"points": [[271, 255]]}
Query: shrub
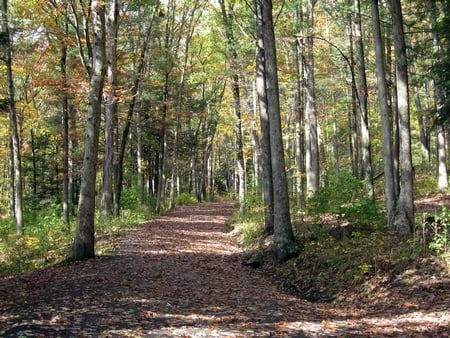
{"points": [[185, 199]]}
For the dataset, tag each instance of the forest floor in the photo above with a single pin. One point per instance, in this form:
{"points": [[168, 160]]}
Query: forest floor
{"points": [[182, 275]]}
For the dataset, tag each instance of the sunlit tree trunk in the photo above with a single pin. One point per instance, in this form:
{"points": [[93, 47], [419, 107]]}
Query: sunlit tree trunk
{"points": [[389, 188], [107, 206], [404, 214], [283, 234], [363, 95], [83, 245], [15, 137]]}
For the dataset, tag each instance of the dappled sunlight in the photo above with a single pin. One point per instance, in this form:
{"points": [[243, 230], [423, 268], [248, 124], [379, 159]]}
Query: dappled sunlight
{"points": [[181, 276]]}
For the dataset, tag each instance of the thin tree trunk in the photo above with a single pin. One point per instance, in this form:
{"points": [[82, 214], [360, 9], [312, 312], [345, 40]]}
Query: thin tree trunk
{"points": [[83, 246], [235, 88], [441, 150], [15, 137], [107, 205], [354, 123], [362, 95], [66, 200], [299, 114], [311, 132], [386, 122]]}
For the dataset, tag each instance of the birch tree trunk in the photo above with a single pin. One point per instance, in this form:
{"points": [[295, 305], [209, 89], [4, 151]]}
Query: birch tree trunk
{"points": [[83, 246]]}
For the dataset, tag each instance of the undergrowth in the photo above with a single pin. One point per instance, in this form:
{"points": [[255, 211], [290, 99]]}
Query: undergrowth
{"points": [[346, 244], [46, 240]]}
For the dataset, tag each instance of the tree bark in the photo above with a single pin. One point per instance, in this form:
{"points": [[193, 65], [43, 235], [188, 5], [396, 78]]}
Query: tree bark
{"points": [[107, 205], [389, 188], [283, 235], [264, 122], [12, 115], [83, 246], [363, 98], [441, 151], [311, 135], [404, 214], [235, 88]]}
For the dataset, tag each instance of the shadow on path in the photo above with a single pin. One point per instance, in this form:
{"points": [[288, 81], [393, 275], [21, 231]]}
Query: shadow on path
{"points": [[176, 276]]}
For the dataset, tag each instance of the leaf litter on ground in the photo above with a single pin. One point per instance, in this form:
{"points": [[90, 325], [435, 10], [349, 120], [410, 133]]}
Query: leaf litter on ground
{"points": [[181, 275]]}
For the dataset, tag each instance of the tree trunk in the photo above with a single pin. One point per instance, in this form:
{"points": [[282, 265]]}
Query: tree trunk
{"points": [[107, 206], [389, 188], [441, 151], [66, 201], [311, 134], [404, 214], [83, 246], [264, 122], [362, 95], [353, 114], [233, 61], [299, 112], [283, 234], [15, 137]]}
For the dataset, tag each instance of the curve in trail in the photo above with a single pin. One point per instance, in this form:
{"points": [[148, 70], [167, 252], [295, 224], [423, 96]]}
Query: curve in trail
{"points": [[177, 276]]}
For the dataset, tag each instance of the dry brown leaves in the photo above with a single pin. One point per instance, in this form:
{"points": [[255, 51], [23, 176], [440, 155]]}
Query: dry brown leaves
{"points": [[181, 276]]}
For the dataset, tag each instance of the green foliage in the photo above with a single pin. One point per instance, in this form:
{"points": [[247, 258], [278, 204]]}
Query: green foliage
{"points": [[185, 199], [338, 192], [46, 241], [341, 197], [440, 241], [362, 213], [249, 225]]}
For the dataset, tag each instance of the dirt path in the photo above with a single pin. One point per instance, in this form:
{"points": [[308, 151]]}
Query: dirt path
{"points": [[181, 276]]}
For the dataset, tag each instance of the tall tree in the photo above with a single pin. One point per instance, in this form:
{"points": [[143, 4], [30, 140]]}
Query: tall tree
{"points": [[227, 17], [363, 102], [283, 235], [404, 214], [266, 164], [16, 157], [84, 242], [111, 106], [311, 127], [389, 189], [439, 98]]}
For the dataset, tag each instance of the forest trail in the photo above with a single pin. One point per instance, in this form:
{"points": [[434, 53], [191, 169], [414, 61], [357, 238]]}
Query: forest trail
{"points": [[181, 276]]}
